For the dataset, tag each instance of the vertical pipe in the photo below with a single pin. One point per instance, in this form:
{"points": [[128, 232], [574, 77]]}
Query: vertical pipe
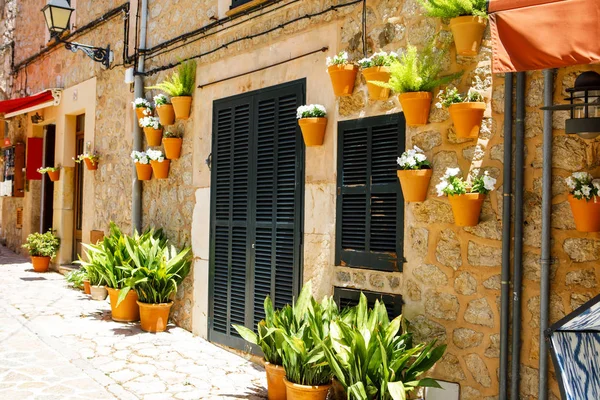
{"points": [[138, 141], [506, 239], [518, 238], [546, 260]]}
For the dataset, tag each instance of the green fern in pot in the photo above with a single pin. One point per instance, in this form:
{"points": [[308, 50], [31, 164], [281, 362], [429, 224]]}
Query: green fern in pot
{"points": [[180, 87]]}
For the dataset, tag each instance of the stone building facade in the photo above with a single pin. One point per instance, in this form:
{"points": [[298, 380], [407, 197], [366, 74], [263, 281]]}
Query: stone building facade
{"points": [[450, 284]]}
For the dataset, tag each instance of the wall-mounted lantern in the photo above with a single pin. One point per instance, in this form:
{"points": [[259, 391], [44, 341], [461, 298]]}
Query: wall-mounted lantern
{"points": [[57, 14]]}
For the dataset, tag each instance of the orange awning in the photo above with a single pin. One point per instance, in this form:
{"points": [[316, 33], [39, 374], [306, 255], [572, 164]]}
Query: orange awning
{"points": [[539, 34]]}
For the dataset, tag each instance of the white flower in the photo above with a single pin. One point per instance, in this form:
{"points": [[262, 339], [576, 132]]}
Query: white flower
{"points": [[440, 187], [155, 155], [450, 172], [596, 184], [420, 157], [571, 183], [417, 149], [340, 59], [586, 190], [489, 183], [150, 122], [582, 176], [577, 193], [140, 157], [160, 99], [141, 102], [311, 111]]}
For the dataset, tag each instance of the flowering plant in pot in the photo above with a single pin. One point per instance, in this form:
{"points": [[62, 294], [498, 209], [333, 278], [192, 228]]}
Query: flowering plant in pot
{"points": [[152, 129], [91, 160], [466, 200], [142, 107], [180, 87], [164, 109], [42, 248], [142, 165], [172, 142], [468, 19], [413, 77], [585, 203], [313, 122], [466, 110], [342, 74], [53, 172], [160, 165], [414, 173], [377, 68]]}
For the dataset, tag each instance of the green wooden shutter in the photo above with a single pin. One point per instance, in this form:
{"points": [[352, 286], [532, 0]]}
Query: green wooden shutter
{"points": [[370, 206]]}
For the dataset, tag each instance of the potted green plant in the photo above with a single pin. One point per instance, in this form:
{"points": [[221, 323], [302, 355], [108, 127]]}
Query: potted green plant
{"points": [[468, 19], [414, 77], [414, 173], [153, 130], [164, 109], [180, 87], [466, 110], [42, 248], [93, 270], [312, 119], [466, 199], [584, 192], [91, 160], [53, 172], [172, 142], [142, 107], [76, 278], [142, 165], [377, 69], [160, 165], [342, 74]]}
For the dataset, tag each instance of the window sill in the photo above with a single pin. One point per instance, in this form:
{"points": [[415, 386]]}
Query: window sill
{"points": [[245, 7]]}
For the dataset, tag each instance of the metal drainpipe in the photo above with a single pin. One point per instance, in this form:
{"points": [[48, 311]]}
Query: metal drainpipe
{"points": [[138, 141], [506, 239], [518, 238], [546, 260]]}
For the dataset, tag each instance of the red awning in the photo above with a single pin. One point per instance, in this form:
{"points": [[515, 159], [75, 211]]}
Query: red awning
{"points": [[539, 34], [30, 103]]}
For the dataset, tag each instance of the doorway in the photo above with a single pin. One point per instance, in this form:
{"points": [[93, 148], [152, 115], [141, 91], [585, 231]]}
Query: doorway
{"points": [[47, 202], [78, 194]]}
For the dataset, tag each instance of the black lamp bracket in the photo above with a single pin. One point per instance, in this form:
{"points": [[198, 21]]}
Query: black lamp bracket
{"points": [[98, 54]]}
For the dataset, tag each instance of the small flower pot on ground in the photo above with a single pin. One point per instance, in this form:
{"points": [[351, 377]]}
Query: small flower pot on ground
{"points": [[301, 392], [127, 310], [275, 381], [154, 317], [172, 147], [180, 87], [468, 32], [377, 69], [466, 111], [313, 123], [466, 208], [87, 289], [40, 264], [98, 293], [342, 74], [414, 174], [416, 107], [41, 247], [584, 198]]}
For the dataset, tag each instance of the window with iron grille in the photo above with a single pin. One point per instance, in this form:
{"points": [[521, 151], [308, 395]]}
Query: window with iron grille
{"points": [[370, 206]]}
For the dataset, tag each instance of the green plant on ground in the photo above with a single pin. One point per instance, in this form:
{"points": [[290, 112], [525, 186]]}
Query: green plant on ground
{"points": [[42, 244], [418, 71], [76, 278], [181, 82], [454, 8]]}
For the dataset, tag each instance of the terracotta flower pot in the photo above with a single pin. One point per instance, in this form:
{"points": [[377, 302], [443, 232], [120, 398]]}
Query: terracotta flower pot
{"points": [[467, 32], [98, 293], [86, 287], [313, 130], [172, 147], [586, 214], [466, 208], [144, 171], [54, 175], [128, 310], [416, 107], [381, 74], [301, 392], [153, 136], [182, 106], [160, 169], [91, 165], [415, 183], [40, 264], [275, 385], [467, 118], [343, 78], [166, 114], [154, 317], [139, 113]]}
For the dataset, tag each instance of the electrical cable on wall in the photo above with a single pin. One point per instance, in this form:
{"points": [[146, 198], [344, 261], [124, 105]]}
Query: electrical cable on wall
{"points": [[364, 28]]}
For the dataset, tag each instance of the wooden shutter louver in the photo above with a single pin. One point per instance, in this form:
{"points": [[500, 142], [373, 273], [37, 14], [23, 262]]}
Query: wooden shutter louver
{"points": [[369, 202]]}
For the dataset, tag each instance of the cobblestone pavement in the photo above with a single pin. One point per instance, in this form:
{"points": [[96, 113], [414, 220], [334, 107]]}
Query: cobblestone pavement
{"points": [[56, 343]]}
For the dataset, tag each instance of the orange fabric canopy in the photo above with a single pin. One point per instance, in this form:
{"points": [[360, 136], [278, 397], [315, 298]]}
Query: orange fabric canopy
{"points": [[538, 34]]}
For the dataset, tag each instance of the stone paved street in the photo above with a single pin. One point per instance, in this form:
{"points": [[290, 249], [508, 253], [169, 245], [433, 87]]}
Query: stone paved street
{"points": [[55, 343]]}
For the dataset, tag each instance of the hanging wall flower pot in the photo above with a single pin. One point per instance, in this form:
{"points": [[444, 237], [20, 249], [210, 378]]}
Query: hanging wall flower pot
{"points": [[343, 77], [466, 208], [166, 114], [467, 118], [128, 310], [54, 175], [182, 106], [275, 384], [154, 317], [415, 183], [302, 392], [142, 112], [144, 171], [160, 168], [467, 32], [153, 136], [586, 213], [416, 107], [379, 74], [313, 130], [91, 164], [40, 264], [172, 147]]}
